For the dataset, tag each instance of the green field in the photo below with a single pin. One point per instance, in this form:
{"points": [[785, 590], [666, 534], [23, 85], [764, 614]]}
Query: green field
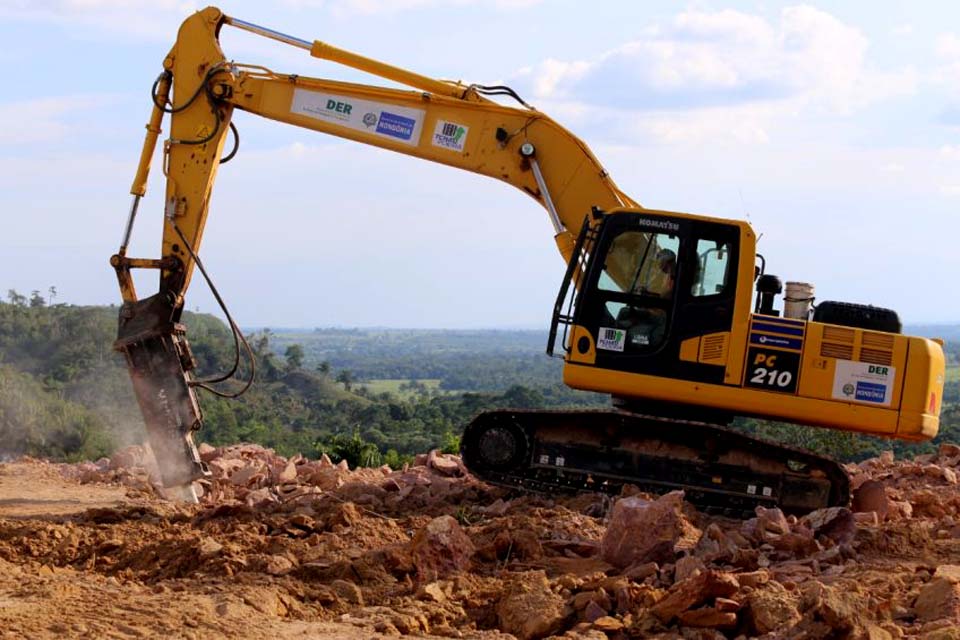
{"points": [[399, 387], [953, 375]]}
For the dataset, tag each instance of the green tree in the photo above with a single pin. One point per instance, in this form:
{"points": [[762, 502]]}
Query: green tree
{"points": [[395, 460], [450, 443], [294, 355], [354, 449], [523, 398], [38, 423], [324, 368], [346, 378]]}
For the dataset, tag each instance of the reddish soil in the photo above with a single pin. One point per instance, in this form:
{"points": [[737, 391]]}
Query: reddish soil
{"points": [[282, 548]]}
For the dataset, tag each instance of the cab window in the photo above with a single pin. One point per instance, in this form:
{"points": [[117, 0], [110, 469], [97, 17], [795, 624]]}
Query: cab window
{"points": [[641, 262], [639, 272], [713, 268]]}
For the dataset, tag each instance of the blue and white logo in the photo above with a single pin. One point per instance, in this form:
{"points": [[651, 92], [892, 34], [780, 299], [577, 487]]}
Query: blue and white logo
{"points": [[390, 124], [776, 341], [871, 392]]}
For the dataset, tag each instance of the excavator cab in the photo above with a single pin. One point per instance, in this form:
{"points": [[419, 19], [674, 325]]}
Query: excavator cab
{"points": [[644, 284]]}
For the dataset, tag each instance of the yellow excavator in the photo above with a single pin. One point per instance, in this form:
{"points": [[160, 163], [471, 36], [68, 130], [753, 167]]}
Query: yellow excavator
{"points": [[672, 314]]}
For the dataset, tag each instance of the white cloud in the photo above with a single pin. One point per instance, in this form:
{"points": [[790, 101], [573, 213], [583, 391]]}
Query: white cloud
{"points": [[702, 58], [372, 7], [739, 125], [948, 45], [45, 119], [552, 72], [66, 7], [947, 76], [903, 30], [158, 20], [130, 19]]}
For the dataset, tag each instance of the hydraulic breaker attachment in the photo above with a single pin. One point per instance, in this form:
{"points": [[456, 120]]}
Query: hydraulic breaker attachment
{"points": [[160, 361]]}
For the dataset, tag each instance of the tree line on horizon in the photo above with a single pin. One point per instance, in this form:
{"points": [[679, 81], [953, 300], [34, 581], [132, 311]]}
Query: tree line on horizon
{"points": [[65, 394]]}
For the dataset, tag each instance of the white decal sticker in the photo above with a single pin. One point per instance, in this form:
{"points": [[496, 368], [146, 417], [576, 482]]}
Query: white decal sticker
{"points": [[611, 339], [449, 135], [863, 382], [383, 120]]}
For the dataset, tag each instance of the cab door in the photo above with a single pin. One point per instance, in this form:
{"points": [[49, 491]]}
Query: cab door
{"points": [[654, 280]]}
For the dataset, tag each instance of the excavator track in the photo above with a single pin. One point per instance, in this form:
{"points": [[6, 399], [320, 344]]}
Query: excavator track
{"points": [[721, 470]]}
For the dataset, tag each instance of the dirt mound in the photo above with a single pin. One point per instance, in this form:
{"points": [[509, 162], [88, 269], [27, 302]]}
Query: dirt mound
{"points": [[286, 547]]}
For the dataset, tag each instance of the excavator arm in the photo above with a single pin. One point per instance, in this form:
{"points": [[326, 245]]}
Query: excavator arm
{"points": [[446, 122]]}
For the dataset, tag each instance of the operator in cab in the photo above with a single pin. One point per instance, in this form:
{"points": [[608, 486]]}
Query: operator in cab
{"points": [[661, 281], [646, 319]]}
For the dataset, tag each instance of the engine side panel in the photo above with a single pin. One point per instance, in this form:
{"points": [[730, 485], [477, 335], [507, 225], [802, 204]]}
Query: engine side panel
{"points": [[807, 373]]}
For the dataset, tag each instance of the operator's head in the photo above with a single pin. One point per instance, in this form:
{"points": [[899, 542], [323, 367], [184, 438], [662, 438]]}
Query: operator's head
{"points": [[667, 259]]}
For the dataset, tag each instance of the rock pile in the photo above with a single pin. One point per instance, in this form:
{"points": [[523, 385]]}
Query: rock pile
{"points": [[431, 549], [258, 477]]}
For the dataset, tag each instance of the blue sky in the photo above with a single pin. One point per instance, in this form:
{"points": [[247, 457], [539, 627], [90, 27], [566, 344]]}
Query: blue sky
{"points": [[833, 127]]}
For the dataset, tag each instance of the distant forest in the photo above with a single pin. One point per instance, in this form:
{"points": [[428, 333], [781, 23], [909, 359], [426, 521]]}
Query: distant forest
{"points": [[366, 395], [65, 394]]}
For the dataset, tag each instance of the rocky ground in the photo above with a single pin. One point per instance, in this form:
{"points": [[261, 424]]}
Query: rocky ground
{"points": [[295, 548]]}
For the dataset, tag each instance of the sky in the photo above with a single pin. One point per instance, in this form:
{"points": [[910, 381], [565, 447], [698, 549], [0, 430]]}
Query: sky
{"points": [[834, 128]]}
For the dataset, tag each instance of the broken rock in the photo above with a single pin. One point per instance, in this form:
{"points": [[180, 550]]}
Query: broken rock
{"points": [[521, 544], [726, 604], [127, 458], [949, 475], [529, 609], [686, 567], [247, 476], [445, 465], [607, 624], [770, 608], [593, 611], [278, 565], [287, 474], [768, 522], [836, 523], [708, 617], [207, 452], [949, 572], [432, 591], [642, 531], [927, 503], [939, 598], [871, 496], [900, 510], [835, 607], [695, 591], [949, 450], [347, 591], [440, 548], [754, 578]]}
